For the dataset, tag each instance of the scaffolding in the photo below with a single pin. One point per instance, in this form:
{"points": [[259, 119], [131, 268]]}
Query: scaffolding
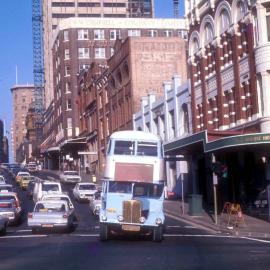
{"points": [[38, 64], [176, 8]]}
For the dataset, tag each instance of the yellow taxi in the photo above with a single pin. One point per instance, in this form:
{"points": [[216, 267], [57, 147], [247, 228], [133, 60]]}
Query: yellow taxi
{"points": [[20, 175], [25, 181]]}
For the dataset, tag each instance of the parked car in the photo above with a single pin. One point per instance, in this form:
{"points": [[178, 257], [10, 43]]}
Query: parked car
{"points": [[45, 187], [21, 174], [84, 191], [95, 203], [51, 214], [6, 188], [16, 206], [70, 177], [3, 225], [9, 210]]}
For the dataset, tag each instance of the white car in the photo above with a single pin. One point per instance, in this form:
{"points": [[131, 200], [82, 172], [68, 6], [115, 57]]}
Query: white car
{"points": [[84, 191], [46, 187], [70, 177], [60, 197]]}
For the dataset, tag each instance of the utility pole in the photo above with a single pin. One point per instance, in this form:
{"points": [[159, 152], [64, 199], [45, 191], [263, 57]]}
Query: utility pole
{"points": [[215, 182]]}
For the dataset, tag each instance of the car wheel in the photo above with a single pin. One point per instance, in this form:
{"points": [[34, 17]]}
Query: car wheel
{"points": [[158, 234], [34, 230], [4, 230], [103, 232]]}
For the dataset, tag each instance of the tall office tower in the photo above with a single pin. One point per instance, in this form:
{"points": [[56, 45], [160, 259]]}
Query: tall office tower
{"points": [[56, 10], [22, 96]]}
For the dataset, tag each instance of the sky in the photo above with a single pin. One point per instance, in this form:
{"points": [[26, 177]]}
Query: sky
{"points": [[16, 46]]}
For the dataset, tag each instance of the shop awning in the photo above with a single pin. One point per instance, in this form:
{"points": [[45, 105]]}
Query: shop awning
{"points": [[73, 145], [208, 142]]}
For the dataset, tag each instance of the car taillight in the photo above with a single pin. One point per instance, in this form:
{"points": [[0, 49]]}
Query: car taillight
{"points": [[65, 216], [30, 215], [17, 204]]}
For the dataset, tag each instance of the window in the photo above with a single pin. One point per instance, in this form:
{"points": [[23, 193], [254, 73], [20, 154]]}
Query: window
{"points": [[115, 34], [120, 187], [152, 33], [134, 33], [68, 87], [224, 20], [147, 149], [83, 67], [83, 34], [168, 33], [268, 23], [67, 70], [69, 122], [147, 190], [88, 4], [83, 53], [99, 34], [112, 51], [66, 54], [69, 106], [124, 148], [66, 38], [99, 53], [62, 4], [209, 34]]}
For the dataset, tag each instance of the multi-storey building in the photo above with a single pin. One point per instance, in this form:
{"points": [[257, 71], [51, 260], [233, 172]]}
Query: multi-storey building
{"points": [[229, 64], [56, 10], [3, 144], [79, 42], [110, 97], [22, 96]]}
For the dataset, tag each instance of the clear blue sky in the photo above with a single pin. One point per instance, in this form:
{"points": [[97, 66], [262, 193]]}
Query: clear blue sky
{"points": [[16, 46]]}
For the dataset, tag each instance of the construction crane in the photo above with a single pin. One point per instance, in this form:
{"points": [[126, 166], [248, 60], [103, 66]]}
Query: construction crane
{"points": [[38, 64], [176, 8]]}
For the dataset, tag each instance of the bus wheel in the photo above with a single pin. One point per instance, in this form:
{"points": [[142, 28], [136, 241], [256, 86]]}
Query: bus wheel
{"points": [[103, 232], [158, 234]]}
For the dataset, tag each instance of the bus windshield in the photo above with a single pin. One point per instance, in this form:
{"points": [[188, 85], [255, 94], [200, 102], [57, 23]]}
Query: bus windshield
{"points": [[120, 187], [139, 148], [147, 190]]}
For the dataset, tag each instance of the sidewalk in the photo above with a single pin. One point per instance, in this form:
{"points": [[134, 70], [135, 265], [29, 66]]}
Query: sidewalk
{"points": [[250, 227]]}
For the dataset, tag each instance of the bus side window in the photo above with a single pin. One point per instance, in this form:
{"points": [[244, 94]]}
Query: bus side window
{"points": [[109, 147]]}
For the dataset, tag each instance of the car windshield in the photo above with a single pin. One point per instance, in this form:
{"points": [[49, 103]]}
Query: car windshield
{"points": [[120, 187], [48, 207], [87, 187], [71, 173], [97, 195], [147, 149], [147, 190], [65, 199], [50, 187]]}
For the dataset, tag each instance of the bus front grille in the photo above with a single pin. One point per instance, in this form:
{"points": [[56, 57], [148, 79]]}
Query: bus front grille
{"points": [[132, 211]]}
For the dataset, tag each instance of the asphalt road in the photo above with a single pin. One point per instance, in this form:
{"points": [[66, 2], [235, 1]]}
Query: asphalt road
{"points": [[184, 247]]}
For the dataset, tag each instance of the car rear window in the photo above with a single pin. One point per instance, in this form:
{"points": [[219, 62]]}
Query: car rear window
{"points": [[5, 205], [7, 198], [50, 187], [87, 187]]}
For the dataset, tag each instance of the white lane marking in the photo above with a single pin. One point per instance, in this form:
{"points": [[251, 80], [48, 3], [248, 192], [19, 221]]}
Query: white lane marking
{"points": [[190, 227], [173, 226], [191, 223], [85, 235], [199, 235], [23, 236], [256, 240], [96, 227], [21, 231]]}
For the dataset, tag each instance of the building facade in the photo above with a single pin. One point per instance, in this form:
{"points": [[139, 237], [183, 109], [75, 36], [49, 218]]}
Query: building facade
{"points": [[229, 66], [56, 10], [108, 97], [22, 96]]}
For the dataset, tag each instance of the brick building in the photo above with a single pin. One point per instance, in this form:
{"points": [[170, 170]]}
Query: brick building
{"points": [[22, 96], [56, 10], [109, 96], [229, 65], [78, 43]]}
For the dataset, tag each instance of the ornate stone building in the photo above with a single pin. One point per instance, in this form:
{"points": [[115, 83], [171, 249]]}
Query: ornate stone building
{"points": [[229, 66]]}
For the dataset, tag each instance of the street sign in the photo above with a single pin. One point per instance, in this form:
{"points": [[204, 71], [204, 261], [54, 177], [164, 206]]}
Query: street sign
{"points": [[87, 153]]}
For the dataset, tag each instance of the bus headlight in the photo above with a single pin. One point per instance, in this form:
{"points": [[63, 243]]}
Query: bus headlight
{"points": [[158, 221], [142, 219], [120, 218]]}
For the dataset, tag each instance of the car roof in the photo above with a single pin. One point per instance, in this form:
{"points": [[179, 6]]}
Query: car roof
{"points": [[8, 193], [55, 195], [51, 201], [5, 185], [85, 183], [50, 182]]}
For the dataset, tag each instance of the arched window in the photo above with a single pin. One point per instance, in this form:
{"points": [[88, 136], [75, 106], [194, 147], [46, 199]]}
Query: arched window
{"points": [[241, 10], [209, 33], [224, 20], [195, 45]]}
